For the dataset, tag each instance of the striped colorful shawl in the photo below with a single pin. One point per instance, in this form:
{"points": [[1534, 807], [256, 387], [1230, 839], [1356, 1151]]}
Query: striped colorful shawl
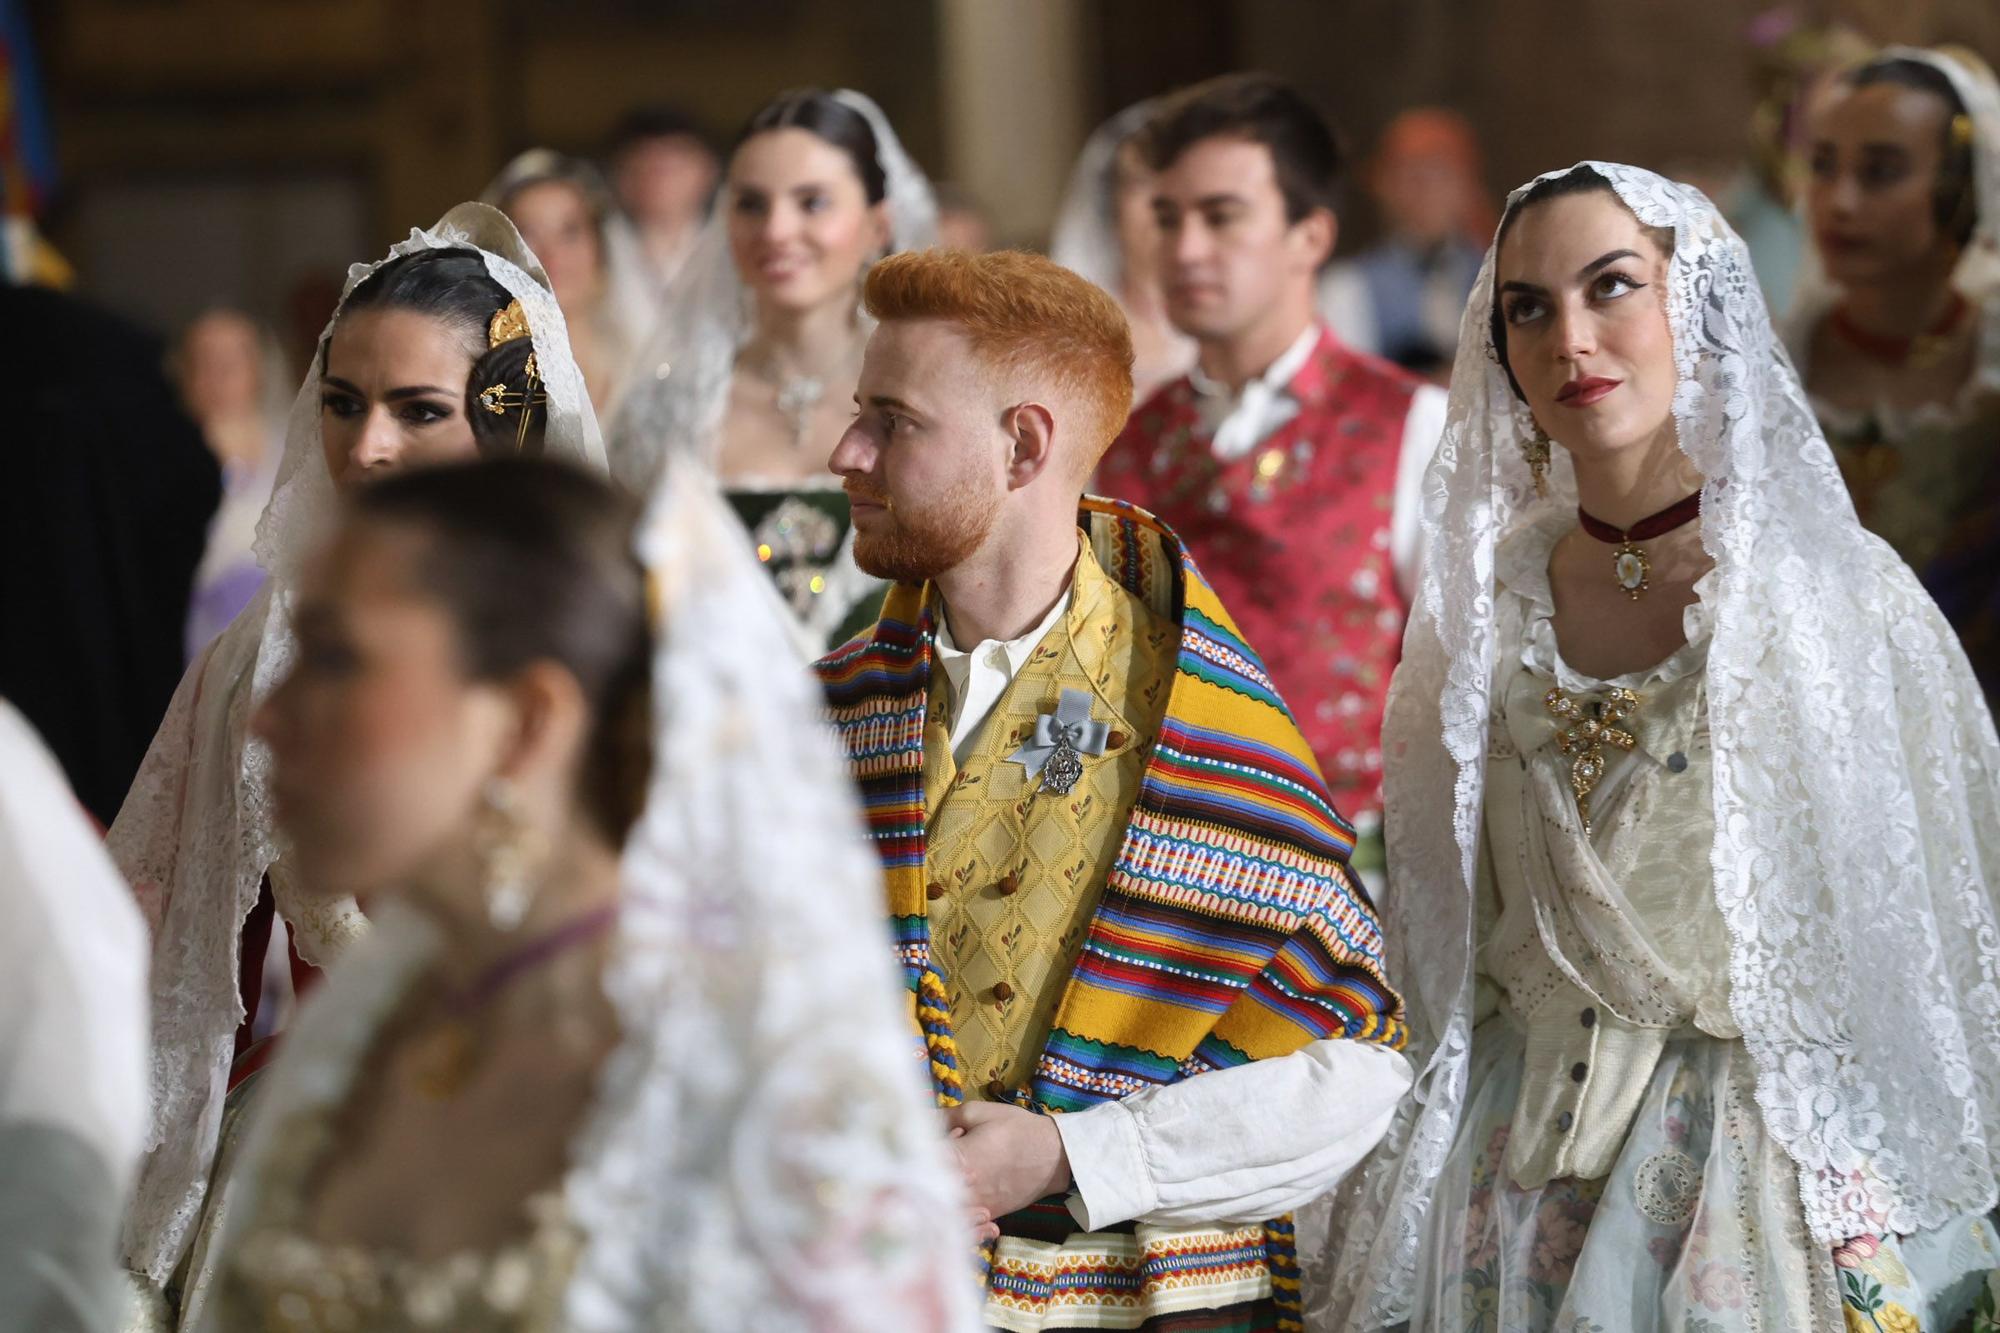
{"points": [[1229, 929]]}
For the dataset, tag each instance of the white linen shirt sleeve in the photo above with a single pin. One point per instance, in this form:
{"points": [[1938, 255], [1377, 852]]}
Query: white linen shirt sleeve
{"points": [[1235, 1145], [1423, 426]]}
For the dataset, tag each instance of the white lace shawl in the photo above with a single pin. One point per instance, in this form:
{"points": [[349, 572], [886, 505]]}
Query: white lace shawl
{"points": [[1978, 274], [762, 1153], [195, 836], [680, 391], [1084, 239], [1857, 809]]}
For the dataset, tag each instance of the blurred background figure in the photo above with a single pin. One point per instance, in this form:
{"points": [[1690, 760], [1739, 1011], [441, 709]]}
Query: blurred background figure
{"points": [[962, 220], [72, 1051], [1105, 231], [663, 171], [232, 381], [1289, 463], [1792, 64], [1897, 335], [756, 361], [592, 256], [103, 519], [1402, 298]]}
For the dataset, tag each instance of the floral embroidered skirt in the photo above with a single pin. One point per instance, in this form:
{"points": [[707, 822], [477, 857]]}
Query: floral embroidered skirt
{"points": [[1697, 1228]]}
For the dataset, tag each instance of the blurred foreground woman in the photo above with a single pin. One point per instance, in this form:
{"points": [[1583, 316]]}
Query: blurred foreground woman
{"points": [[613, 1056], [451, 347], [1696, 835], [72, 1050]]}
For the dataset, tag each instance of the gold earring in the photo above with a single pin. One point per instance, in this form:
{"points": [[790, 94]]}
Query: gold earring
{"points": [[507, 852], [1535, 449]]}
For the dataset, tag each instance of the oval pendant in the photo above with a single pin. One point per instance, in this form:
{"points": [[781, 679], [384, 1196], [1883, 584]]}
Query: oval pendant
{"points": [[1630, 567]]}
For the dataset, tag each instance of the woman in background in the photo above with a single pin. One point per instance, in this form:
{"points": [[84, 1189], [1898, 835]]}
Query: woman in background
{"points": [[571, 223], [452, 346], [1898, 328], [1105, 231], [231, 377], [755, 366]]}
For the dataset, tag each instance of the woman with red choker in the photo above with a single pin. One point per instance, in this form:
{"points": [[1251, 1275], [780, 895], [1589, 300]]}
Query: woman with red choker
{"points": [[589, 1069], [1897, 331], [1694, 837]]}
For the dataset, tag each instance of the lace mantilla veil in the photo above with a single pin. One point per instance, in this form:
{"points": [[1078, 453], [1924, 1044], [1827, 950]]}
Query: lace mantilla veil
{"points": [[1084, 239], [195, 834], [1978, 274], [762, 1152], [1857, 810], [681, 387]]}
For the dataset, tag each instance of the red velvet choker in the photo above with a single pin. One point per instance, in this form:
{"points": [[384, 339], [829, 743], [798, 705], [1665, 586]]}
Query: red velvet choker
{"points": [[1921, 352], [1629, 565]]}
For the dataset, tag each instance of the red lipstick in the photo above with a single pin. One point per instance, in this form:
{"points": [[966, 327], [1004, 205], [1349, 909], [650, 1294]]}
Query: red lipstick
{"points": [[1583, 392]]}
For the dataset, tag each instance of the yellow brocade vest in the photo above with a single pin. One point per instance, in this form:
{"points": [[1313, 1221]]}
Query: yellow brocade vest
{"points": [[1015, 872]]}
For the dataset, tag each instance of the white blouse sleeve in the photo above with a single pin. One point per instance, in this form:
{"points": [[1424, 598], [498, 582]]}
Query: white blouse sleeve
{"points": [[1233, 1145], [1423, 426]]}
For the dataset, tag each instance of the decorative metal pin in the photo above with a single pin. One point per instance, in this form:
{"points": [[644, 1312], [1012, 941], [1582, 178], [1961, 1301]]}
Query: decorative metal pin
{"points": [[1054, 753]]}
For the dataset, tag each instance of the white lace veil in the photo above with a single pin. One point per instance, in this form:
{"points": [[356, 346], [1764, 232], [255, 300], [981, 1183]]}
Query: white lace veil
{"points": [[195, 835], [681, 388], [762, 1155], [1857, 847], [1084, 239], [762, 1152], [1978, 274]]}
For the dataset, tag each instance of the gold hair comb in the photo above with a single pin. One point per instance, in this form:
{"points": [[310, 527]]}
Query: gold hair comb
{"points": [[508, 324]]}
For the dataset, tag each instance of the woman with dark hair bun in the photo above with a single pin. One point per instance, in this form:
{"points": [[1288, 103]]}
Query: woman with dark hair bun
{"points": [[753, 371], [1897, 334], [451, 348], [570, 1079]]}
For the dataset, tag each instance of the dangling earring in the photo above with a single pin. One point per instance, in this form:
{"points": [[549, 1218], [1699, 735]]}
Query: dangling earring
{"points": [[506, 848], [1535, 449]]}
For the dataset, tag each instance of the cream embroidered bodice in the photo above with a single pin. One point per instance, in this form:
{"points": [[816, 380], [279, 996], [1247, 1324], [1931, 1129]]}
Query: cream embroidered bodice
{"points": [[1600, 945]]}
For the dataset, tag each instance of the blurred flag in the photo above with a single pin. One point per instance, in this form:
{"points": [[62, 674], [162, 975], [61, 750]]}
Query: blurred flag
{"points": [[27, 157]]}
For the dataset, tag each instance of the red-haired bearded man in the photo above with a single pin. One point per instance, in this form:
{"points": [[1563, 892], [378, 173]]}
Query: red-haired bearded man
{"points": [[1151, 991]]}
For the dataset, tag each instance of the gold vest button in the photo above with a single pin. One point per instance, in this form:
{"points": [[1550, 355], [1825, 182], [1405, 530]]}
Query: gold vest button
{"points": [[996, 1090], [1010, 884], [1002, 992], [1116, 740], [934, 891]]}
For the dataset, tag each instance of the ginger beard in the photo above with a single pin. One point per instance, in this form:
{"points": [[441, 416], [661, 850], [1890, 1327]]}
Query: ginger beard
{"points": [[912, 543]]}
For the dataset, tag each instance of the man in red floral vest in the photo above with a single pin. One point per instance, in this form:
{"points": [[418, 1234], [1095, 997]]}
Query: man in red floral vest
{"points": [[1289, 464]]}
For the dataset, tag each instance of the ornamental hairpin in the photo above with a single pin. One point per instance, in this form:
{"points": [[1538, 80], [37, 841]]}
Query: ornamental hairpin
{"points": [[499, 400], [508, 324]]}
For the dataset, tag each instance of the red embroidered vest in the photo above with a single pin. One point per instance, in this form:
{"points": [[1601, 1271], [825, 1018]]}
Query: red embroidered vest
{"points": [[1294, 538]]}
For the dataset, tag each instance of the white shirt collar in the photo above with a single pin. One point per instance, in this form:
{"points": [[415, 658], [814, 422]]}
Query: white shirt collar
{"points": [[981, 674], [1276, 377], [1237, 423], [1013, 651]]}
